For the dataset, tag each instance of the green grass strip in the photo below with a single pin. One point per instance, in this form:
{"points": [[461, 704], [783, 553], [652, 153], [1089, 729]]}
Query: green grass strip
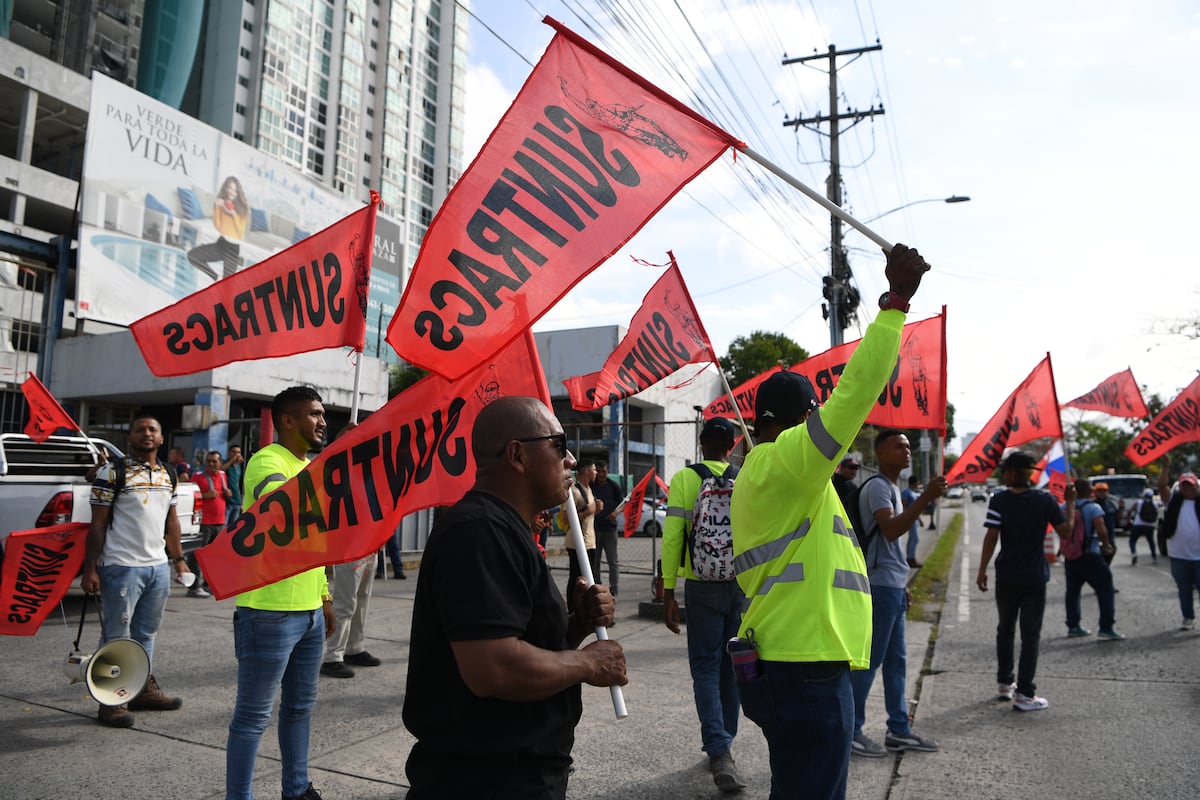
{"points": [[928, 587]]}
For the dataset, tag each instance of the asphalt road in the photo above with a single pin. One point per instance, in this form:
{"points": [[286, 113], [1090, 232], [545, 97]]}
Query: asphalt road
{"points": [[1122, 720]]}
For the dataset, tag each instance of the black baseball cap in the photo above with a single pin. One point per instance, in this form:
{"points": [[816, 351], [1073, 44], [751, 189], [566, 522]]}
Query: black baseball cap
{"points": [[718, 429], [784, 397], [850, 461], [1018, 460]]}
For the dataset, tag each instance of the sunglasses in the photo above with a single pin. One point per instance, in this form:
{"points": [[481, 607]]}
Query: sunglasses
{"points": [[559, 439]]}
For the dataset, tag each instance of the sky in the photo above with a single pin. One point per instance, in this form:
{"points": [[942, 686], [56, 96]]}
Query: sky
{"points": [[1072, 126]]}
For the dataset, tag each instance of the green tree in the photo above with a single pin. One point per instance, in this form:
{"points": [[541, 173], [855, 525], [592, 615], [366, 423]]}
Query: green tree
{"points": [[754, 354], [402, 377]]}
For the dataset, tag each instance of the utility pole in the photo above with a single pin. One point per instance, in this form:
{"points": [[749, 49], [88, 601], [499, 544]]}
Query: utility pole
{"points": [[841, 298]]}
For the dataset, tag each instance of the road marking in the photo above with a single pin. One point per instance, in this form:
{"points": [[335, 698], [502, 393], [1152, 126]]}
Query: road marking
{"points": [[964, 582]]}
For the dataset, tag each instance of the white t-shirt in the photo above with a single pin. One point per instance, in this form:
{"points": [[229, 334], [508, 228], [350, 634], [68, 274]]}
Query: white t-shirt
{"points": [[1185, 543], [136, 535]]}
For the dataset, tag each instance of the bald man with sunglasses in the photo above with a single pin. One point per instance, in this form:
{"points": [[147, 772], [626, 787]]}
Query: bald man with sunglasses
{"points": [[495, 667]]}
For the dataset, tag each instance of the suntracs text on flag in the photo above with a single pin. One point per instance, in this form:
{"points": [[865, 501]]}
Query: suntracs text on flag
{"points": [[310, 296], [586, 154]]}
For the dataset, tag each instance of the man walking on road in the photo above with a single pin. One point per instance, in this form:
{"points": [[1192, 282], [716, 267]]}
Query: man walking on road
{"points": [[1091, 568], [886, 520], [610, 495], [1181, 529], [1017, 520], [714, 609], [133, 516]]}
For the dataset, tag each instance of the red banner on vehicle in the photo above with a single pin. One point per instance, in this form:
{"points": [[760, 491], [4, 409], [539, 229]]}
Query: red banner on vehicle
{"points": [[310, 296], [915, 395], [1030, 412], [664, 335], [46, 415], [39, 566], [633, 506], [1178, 423], [586, 154], [1117, 395], [413, 453]]}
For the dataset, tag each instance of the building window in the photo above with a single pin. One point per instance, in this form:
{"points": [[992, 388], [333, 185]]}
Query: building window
{"points": [[240, 109], [247, 26], [243, 81], [244, 52]]}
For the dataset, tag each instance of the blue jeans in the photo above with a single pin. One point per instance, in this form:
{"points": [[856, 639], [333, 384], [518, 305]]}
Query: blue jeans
{"points": [[714, 611], [233, 511], [1187, 580], [888, 649], [1028, 605], [132, 602], [1090, 569], [914, 538], [274, 649], [806, 712]]}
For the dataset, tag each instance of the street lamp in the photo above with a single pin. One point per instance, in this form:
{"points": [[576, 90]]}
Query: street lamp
{"points": [[954, 198]]}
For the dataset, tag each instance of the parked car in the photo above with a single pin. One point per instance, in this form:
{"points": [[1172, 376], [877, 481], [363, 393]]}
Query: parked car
{"points": [[954, 493], [978, 495], [654, 513]]}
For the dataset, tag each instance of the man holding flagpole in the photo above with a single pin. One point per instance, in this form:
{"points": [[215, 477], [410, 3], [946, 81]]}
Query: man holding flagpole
{"points": [[494, 673]]}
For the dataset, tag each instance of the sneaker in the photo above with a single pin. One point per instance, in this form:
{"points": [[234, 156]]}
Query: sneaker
{"points": [[912, 562], [336, 669], [1077, 631], [309, 794], [1005, 691], [1189, 624], [198, 591], [1023, 703], [865, 746], [153, 698], [1110, 634], [725, 774], [363, 659], [1134, 562], [115, 716], [909, 741]]}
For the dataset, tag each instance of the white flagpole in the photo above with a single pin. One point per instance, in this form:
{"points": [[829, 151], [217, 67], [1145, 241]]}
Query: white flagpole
{"points": [[585, 568], [829, 206], [736, 408], [357, 375]]}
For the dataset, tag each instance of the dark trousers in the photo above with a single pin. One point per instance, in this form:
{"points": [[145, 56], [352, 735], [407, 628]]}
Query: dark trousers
{"points": [[606, 545], [1090, 569], [1024, 605], [1138, 531]]}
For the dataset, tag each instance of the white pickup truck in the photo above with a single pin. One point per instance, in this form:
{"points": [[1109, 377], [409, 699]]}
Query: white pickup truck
{"points": [[45, 484]]}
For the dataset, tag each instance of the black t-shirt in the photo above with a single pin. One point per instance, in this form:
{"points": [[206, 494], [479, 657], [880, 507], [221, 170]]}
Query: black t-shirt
{"points": [[610, 494], [482, 577], [1022, 518]]}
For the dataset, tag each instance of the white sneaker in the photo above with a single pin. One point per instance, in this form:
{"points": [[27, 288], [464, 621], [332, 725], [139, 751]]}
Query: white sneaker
{"points": [[1005, 691], [1188, 624], [1023, 703]]}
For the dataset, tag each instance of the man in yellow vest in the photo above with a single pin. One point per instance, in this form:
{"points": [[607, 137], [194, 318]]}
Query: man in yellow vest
{"points": [[798, 562]]}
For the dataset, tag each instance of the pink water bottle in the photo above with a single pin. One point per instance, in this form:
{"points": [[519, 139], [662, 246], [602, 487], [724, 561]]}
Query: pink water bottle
{"points": [[744, 656]]}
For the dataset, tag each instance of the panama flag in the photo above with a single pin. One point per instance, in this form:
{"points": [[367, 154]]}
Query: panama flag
{"points": [[1055, 469]]}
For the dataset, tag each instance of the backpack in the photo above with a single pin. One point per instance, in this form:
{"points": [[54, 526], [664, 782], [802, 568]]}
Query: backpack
{"points": [[1075, 545], [710, 539], [862, 532], [1148, 513]]}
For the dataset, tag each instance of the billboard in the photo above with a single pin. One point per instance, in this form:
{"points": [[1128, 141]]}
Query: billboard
{"points": [[171, 205]]}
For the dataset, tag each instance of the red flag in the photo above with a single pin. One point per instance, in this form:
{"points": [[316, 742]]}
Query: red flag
{"points": [[664, 335], [915, 396], [633, 506], [1117, 395], [39, 566], [411, 454], [45, 414], [663, 487], [1030, 412], [1178, 423], [310, 296], [585, 155]]}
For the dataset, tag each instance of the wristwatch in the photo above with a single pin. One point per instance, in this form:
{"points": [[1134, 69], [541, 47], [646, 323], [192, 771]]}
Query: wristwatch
{"points": [[893, 300]]}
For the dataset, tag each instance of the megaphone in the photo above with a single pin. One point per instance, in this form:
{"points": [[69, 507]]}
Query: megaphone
{"points": [[114, 674]]}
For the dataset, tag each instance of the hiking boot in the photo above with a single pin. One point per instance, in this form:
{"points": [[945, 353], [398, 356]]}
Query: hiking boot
{"points": [[725, 774], [336, 669], [198, 591], [153, 698], [1077, 631], [309, 794], [1005, 691], [115, 716], [1024, 703], [909, 741], [865, 746], [363, 659], [1110, 634]]}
